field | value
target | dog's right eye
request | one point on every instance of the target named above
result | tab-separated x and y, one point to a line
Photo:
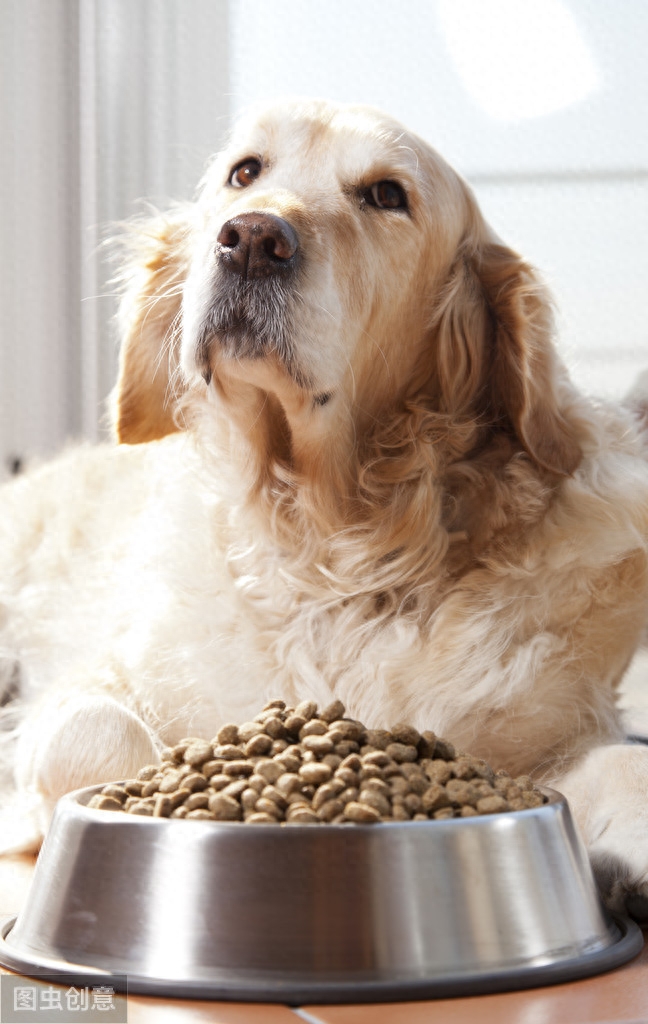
245	173
386	195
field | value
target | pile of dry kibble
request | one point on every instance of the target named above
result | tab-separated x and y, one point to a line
302	766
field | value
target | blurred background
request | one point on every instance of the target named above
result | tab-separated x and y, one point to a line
540	104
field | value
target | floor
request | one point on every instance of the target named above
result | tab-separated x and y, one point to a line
618	997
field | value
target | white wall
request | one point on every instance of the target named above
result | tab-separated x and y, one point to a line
102	102
39	274
540	103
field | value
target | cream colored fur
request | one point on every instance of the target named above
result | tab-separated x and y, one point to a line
398	500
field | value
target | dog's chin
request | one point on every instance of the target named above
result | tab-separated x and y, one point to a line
239	350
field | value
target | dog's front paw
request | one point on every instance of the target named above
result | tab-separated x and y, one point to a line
80	742
608	794
620	863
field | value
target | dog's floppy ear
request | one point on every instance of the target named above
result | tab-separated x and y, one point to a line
524	367
156	251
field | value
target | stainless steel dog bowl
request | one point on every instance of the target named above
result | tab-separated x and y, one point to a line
319	913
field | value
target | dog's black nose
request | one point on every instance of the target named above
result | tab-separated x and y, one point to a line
257	245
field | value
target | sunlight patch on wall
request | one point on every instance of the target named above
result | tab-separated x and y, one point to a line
518	60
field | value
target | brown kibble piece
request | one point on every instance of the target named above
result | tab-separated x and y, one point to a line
327	791
320	745
377	757
300	814
249	799
169	783
400	752
413	802
426	744
235	788
400	812
405	734
276	702
288	783
271	771
257	782
105	803
374	798
194	782
461	792
332	711
438	771
229	752
330	809
532	798
258	745
116	792
346	747
492	804
248	731
227	734
307	709
443	814
179	797
141	807
294	724
378	738
353	762
444	749
290	762
314	773
276	796
274	728
313	727
224	808
435	798
265	806
361	813
197	753
162	807
236	768
219	781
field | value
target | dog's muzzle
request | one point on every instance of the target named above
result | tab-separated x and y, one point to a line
257	245
252	306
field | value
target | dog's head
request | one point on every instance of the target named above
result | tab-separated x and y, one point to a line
334	273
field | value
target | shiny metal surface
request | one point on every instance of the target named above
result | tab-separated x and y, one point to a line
226	907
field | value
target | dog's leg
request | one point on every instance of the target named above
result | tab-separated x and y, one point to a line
64	745
607	791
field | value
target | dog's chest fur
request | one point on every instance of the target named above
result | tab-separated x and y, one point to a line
219	617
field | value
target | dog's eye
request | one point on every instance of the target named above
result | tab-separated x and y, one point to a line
245	173
386	195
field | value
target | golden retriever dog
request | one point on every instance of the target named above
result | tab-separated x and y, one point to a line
351	465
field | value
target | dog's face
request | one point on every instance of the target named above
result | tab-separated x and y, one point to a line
323	236
333	272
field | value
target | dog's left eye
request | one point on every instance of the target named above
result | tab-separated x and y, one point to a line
386	195
245	173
